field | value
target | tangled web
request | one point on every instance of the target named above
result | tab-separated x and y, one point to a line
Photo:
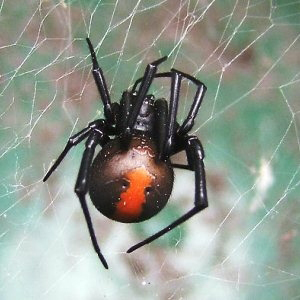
246	243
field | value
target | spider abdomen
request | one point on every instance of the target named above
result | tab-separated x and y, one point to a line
130	185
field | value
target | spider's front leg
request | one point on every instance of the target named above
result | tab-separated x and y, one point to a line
109	108
146	81
195	156
81	187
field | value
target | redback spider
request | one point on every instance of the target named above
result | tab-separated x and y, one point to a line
131	178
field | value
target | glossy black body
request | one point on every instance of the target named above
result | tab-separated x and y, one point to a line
141	124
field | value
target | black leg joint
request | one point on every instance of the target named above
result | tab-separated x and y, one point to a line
194	150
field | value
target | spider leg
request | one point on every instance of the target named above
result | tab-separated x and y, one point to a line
195	156
142	92
166	117
181	166
165	74
171	122
73	141
101	84
81	187
190	119
161	115
170	125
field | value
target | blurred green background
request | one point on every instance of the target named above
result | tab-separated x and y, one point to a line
247	243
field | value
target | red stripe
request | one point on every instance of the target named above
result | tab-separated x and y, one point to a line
129	208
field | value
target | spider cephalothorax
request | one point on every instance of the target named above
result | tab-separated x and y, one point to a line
131	178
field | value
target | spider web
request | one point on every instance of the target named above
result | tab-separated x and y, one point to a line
246	243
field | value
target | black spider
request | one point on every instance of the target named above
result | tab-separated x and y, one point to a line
131	178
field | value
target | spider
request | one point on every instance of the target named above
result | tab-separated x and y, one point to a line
131	178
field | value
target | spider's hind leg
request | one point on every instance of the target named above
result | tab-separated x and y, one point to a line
195	156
